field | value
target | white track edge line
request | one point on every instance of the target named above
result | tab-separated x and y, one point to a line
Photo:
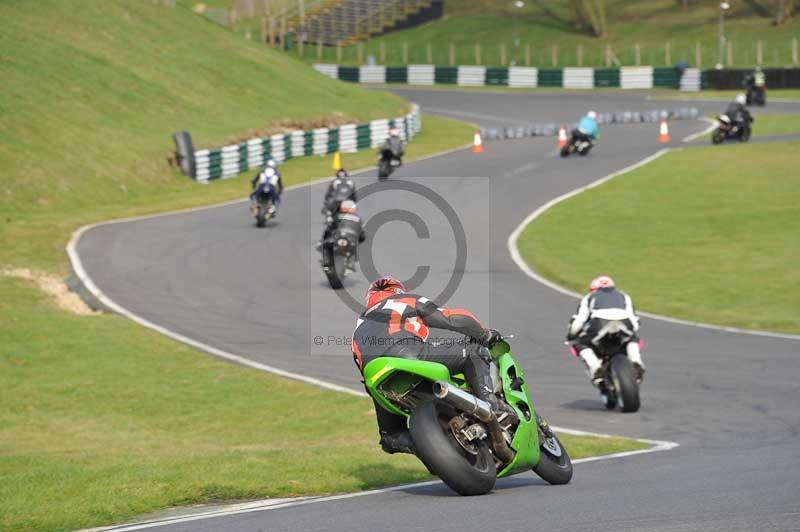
530	272
709	129
269	504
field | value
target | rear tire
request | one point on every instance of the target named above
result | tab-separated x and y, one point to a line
555	466
565	151
335	278
261	217
383	169
624	379
435	446
717	137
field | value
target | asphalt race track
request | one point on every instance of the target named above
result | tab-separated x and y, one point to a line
731	400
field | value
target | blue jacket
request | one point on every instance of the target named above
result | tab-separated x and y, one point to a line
588	126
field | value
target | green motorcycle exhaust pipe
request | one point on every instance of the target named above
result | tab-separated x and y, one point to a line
469	404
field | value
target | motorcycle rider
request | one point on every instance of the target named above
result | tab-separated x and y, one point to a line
604	302
587	129
755	81
268	181
738	113
397	323
340	189
393	143
346	222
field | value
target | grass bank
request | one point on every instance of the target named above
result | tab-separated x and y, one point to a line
702	234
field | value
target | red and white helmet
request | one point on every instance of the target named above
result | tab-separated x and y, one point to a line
602	281
383	287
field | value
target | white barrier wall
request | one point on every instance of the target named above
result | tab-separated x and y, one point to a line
578	78
636	77
372	74
523	76
421	74
471	76
332	71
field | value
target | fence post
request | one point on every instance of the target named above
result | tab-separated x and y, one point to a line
452	54
637	51
503	54
759	52
668	54
383	53
477	53
528	54
794	51
698	56
429	53
730	54
405	53
554	55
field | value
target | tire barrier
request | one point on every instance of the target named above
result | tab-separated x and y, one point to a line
641	77
228	161
617	117
475	76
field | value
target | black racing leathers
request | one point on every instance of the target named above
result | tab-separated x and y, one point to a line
399	326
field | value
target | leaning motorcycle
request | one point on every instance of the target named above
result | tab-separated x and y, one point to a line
619	387
389	160
731	129
456	434
262	207
578	145
339	253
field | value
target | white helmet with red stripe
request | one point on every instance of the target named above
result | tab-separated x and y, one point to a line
602	281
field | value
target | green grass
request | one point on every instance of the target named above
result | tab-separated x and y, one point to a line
704	234
651	24
103	420
776	125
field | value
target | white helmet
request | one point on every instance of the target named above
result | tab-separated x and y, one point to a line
271	163
741	98
592	115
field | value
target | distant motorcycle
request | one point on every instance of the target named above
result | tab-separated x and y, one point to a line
339	255
756	96
390	157
731	129
619	387
262	207
579	144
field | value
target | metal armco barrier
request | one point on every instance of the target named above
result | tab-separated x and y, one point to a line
229	161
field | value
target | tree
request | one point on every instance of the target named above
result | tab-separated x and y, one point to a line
589	16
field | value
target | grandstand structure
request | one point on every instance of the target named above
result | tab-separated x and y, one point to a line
343	22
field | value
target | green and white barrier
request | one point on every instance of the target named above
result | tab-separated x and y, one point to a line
645	77
229	161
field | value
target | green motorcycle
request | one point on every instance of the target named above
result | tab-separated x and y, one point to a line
456	434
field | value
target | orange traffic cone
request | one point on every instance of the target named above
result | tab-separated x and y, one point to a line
663	132
562	136
477	143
